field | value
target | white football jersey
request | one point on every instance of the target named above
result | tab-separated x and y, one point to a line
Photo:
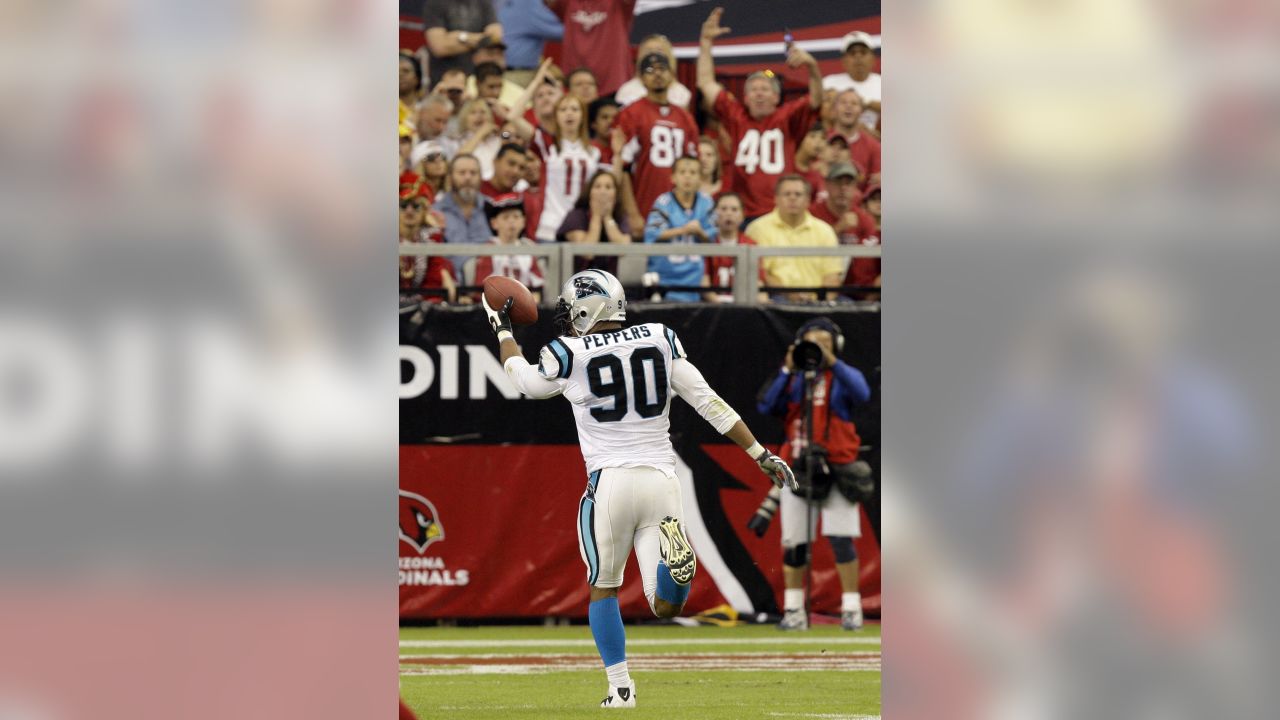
619	382
565	171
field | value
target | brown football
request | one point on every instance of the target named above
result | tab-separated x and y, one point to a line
497	288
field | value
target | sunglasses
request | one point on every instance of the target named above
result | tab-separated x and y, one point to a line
433	157
410	204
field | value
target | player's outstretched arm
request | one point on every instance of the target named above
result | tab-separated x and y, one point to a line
689	384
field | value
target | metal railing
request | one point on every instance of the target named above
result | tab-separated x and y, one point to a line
560	257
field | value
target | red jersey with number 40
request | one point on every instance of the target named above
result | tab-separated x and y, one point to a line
656	136
764	150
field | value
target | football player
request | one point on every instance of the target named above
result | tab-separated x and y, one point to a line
620	381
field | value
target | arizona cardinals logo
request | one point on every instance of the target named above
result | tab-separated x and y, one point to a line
588	20
419	523
586	287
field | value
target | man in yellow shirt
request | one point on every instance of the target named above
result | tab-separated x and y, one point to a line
791	225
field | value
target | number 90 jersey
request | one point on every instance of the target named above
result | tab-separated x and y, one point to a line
620	384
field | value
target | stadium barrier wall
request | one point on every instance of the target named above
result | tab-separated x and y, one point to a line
490	482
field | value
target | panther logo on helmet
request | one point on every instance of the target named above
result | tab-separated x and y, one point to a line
586	287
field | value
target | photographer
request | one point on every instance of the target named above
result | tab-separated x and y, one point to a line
816	392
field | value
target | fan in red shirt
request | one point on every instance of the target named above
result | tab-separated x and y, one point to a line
423	271
864	150
719	270
654	134
842	210
764	133
596	36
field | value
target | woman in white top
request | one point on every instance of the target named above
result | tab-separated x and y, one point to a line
568	159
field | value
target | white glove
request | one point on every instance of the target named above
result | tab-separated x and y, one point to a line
499	320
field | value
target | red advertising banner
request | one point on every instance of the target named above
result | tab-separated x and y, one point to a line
489	531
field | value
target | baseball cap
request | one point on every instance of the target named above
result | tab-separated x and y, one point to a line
423	149
654	59
837	135
854	38
842	169
502	203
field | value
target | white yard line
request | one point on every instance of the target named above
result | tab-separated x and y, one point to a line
828	716
414	665
642	642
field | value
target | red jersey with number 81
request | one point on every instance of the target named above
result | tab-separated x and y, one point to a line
656	136
764	150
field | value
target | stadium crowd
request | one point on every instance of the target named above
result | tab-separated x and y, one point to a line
500	145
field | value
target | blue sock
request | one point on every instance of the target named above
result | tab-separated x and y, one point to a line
606	627
668	589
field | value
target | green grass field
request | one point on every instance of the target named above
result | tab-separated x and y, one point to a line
706	673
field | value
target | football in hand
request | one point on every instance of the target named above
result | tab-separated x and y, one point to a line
497	288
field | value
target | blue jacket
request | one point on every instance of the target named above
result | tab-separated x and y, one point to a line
680	269
848	389
833	420
526	25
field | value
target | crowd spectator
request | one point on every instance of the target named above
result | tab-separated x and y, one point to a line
710	167
681	216
791	225
838	151
858	61
636	89
433	118
582	82
600	115
488	82
764	133
811	161
508	174
527	26
453	85
654	134
507	219
597	217
597	35
476	135
411	90
545	96
496	55
422	271
534	197
568	159
863	276
864	149
841	206
406	153
463	206
720	269
454	29
432	168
